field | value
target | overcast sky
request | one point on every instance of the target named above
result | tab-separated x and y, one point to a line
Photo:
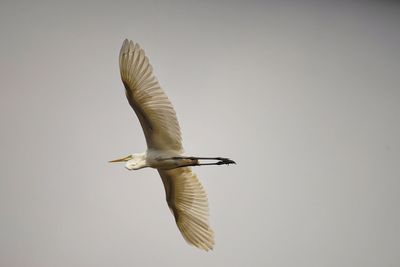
304	95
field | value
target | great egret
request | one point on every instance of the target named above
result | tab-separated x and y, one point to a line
185	195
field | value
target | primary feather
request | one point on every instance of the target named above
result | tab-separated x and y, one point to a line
151	105
188	202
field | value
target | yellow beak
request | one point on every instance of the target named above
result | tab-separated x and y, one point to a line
122	159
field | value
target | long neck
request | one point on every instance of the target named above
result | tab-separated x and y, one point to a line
137	162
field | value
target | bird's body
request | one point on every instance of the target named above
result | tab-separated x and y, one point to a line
157	159
185	195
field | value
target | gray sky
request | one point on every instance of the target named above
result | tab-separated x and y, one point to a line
304	95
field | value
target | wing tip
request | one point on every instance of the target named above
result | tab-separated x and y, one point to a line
200	238
129	46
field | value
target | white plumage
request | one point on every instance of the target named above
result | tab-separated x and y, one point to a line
185	195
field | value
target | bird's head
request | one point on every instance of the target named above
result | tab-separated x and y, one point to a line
133	162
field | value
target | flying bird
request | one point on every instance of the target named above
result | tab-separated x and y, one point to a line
185	195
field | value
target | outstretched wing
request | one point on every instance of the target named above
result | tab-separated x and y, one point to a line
188	202
151	105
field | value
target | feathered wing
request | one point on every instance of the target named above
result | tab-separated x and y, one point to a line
151	105
188	202
185	195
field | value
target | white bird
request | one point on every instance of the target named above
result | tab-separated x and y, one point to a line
185	195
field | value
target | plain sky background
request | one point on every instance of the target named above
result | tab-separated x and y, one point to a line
304	95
